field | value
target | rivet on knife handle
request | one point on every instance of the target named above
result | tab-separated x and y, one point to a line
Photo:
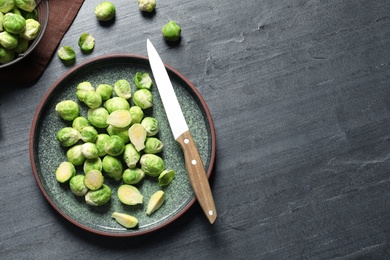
197	175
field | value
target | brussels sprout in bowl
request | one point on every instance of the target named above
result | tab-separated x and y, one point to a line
40	14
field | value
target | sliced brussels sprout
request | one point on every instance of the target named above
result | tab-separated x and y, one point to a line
133	176
65	172
171	31
137	114
68	110
166	177
114	145
129	195
77	186
82	89
112	167
122	89
143	80
125	220
75	156
93	164
66	53
119	118
105	91
98	117
98	197
79	123
94	180
131	156
100	143
105	11
89	134
89	150
143	98
151	125
152	164
153	145
68	136
116	103
137	135
86	42
155	202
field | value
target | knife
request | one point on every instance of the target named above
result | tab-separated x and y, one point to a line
181	133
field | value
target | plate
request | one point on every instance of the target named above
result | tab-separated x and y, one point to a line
46	153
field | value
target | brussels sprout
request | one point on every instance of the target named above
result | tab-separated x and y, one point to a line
122	89
66	53
136	114
98	117
94	180
166	177
68	110
125	220
105	11
171	31
98	197
75	156
116	103
121	132
31	30
68	136
77	186
143	80
152	164
137	136
14	23
143	98
129	195
6	5
65	172
151	125
82	89
131	156
26	5
92	99
79	123
22	45
104	90
153	145
155	202
89	150
147	5
93	164
112	167
100	142
119	118
133	176
89	134
114	146
6	55
8	40
86	42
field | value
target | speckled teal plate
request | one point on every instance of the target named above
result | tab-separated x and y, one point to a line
46	153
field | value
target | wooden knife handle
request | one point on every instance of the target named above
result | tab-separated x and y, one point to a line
197	175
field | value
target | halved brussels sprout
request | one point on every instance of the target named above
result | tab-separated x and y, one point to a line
133	176
68	136
119	118
155	202
66	53
143	80
122	89
86	42
116	103
137	135
68	110
94	180
152	164
65	172
131	156
151	125
143	98
98	197
166	177
98	117
77	186
129	195
153	145
112	167
125	220
114	146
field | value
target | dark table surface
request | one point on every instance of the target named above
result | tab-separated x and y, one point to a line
299	92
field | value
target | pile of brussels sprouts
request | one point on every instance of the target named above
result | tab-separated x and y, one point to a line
115	140
18	26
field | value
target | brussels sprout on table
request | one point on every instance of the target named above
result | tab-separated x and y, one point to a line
153	145
147	5
93	164
100	143
82	89
98	117
104	90
116	103
89	134
166	177
89	150
79	123
151	125
86	42
75	156
114	145
105	11
171	31
136	114
66	53
92	99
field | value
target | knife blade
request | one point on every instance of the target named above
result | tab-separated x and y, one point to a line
181	133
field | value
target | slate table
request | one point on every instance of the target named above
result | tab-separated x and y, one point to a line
299	92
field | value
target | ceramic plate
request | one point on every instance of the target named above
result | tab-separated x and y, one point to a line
46	153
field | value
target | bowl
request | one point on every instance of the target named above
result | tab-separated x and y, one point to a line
43	18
